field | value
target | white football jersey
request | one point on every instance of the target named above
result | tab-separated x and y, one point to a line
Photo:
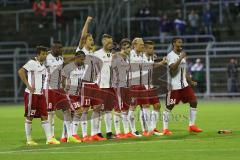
148	72
54	66
78	49
36	73
74	76
178	80
121	71
105	74
137	70
92	65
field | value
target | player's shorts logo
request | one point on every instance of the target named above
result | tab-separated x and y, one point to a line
172	101
33	112
50	106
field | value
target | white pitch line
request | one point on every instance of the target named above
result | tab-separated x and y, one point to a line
159	151
110	144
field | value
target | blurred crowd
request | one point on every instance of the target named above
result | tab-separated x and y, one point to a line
197	21
40	9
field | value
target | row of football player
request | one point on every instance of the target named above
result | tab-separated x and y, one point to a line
34	98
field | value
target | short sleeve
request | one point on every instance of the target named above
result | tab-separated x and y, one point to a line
66	70
29	66
170	59
114	61
78	49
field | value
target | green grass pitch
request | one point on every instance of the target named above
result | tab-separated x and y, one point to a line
212	116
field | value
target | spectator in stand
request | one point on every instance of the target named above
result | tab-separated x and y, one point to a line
232	71
193	20
143	13
165	27
235	10
56	7
198	75
179	24
39	7
208	18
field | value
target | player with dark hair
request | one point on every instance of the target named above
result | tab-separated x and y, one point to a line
90	85
72	78
121	78
105	77
34	100
180	89
154	99
53	89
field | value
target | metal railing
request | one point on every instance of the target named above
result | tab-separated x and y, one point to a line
10	45
219	3
6	2
18	13
215	70
184	37
191	45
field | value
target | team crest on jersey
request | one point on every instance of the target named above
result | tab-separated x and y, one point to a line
50	106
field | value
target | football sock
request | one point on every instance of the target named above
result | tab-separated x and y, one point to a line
117	119
94	122
46	128
67	121
84	123
147	115
154	119
28	129
108	121
165	117
125	122
192	116
75	124
51	121
131	119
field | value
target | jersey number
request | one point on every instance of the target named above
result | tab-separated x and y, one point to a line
172	101
76	105
87	102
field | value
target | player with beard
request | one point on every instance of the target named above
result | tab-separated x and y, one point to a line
72	76
180	89
54	92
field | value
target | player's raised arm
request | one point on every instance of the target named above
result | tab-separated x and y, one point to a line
23	76
84	32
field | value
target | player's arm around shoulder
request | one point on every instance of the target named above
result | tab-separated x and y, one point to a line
65	72
161	63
